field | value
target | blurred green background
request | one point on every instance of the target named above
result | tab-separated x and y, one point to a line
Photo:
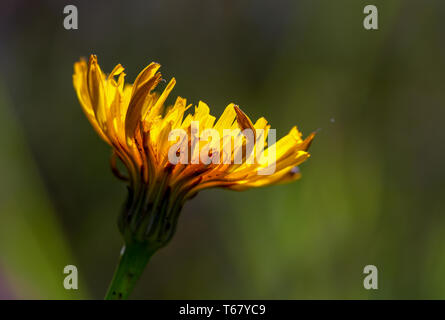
372	192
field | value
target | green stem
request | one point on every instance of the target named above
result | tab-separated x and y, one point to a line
131	265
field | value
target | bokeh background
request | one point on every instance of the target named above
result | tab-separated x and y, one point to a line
372	192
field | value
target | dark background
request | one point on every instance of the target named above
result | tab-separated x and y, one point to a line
372	192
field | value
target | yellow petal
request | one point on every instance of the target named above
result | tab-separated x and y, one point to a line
133	116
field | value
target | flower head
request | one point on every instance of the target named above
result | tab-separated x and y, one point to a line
166	158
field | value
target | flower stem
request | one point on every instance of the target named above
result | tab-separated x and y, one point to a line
131	265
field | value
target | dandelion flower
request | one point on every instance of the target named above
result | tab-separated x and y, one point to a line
168	161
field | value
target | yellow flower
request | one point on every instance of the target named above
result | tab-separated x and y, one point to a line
134	121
